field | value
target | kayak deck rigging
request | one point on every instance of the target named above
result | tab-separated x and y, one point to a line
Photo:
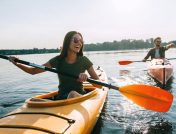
69	121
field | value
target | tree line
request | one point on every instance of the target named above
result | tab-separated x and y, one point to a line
127	44
27	51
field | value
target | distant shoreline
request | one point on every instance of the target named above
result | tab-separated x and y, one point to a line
106	46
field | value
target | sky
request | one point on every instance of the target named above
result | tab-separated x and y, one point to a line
28	24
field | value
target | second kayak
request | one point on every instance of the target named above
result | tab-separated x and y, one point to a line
161	70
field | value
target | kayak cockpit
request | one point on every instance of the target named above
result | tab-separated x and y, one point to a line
45	100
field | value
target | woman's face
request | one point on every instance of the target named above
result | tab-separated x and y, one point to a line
76	43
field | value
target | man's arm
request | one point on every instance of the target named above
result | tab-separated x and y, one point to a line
147	56
171	45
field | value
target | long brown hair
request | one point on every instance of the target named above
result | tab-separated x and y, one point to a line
66	44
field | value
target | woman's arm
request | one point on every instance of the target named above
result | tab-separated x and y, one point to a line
92	73
83	76
30	70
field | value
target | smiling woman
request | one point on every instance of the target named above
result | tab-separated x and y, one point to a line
70	60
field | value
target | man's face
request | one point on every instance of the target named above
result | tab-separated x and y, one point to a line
157	43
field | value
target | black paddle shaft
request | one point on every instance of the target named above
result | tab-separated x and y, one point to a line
55	71
150	60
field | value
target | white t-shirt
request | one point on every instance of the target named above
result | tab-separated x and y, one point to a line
157	55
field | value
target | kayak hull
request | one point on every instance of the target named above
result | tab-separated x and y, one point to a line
161	70
70	116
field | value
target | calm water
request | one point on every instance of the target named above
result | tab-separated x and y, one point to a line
119	116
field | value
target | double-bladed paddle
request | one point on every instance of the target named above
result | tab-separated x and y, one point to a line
149	97
126	62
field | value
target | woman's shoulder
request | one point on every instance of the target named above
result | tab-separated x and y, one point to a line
55	60
83	57
85	62
57	57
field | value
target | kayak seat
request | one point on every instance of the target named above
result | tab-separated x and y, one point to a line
89	87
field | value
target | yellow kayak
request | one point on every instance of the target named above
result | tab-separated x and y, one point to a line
71	116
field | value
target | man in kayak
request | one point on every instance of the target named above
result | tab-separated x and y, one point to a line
158	51
71	61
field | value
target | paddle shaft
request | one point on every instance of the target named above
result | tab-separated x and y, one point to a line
171	58
126	62
55	71
140	61
150	60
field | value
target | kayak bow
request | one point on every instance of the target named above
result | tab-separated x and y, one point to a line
161	70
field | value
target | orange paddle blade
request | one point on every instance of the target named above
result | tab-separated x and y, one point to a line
149	97
125	62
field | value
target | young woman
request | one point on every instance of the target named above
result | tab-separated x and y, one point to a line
158	51
70	60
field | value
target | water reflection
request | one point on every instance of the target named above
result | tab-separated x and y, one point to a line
168	85
128	118
161	127
154	124
124	72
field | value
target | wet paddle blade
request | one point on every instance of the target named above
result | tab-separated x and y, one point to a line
149	97
126	62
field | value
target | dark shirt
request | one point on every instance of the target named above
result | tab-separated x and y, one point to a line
151	52
67	84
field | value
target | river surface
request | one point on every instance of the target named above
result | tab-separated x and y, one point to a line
119	115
